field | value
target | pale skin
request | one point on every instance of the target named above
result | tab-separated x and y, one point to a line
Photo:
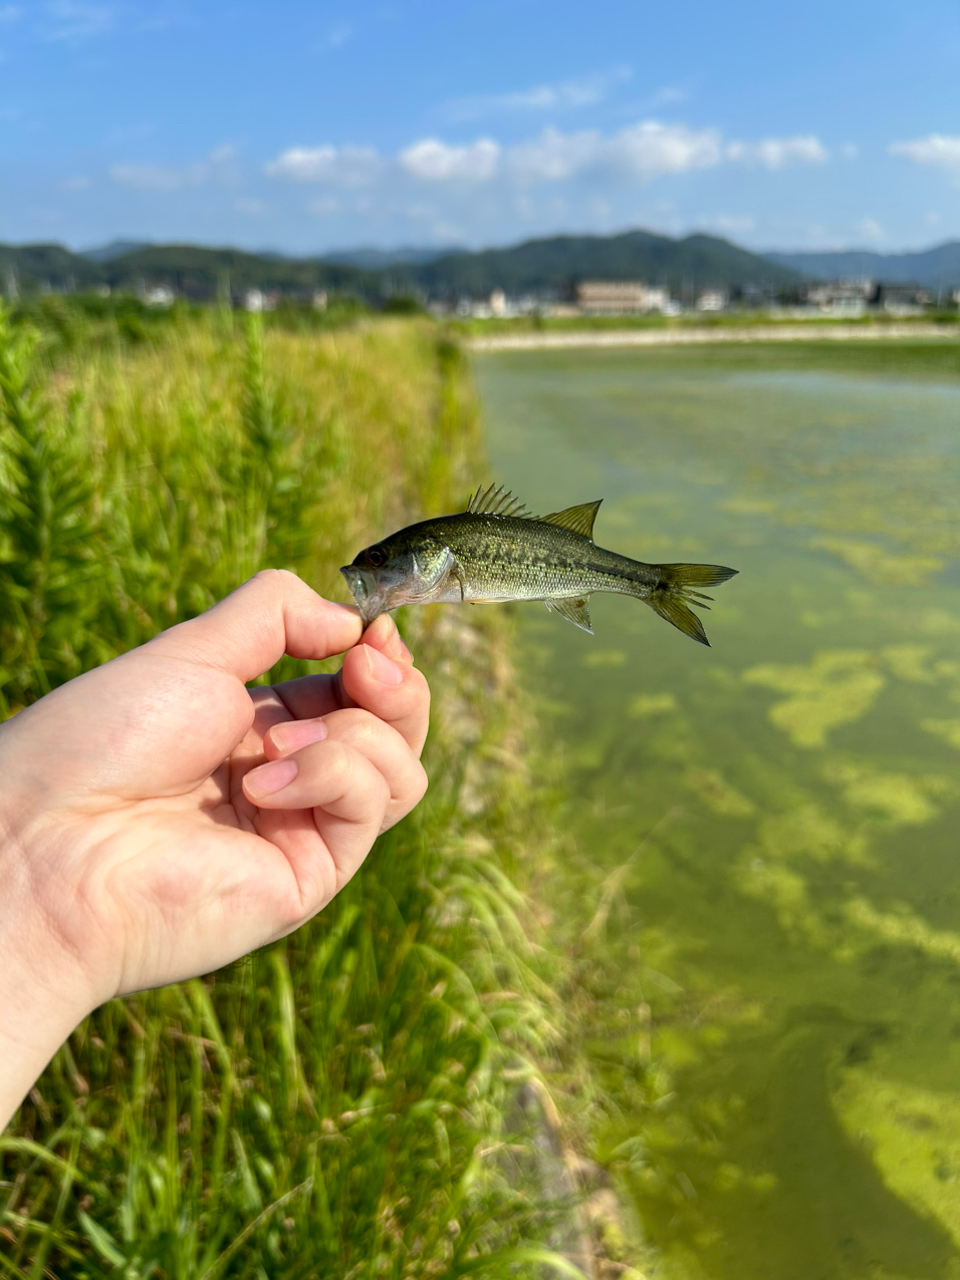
158	819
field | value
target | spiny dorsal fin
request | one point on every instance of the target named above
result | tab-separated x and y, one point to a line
580	519
575	610
497	501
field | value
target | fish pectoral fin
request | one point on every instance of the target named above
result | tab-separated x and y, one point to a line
575	610
580	519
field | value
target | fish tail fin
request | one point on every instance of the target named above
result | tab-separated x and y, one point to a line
676	591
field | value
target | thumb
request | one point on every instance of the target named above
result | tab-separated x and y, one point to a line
272	614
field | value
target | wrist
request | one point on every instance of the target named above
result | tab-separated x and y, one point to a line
41	1002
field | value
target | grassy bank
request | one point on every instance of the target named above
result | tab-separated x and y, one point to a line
502	326
335	1104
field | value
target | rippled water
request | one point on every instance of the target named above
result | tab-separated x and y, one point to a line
766	877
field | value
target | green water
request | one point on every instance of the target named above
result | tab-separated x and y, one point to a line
762	886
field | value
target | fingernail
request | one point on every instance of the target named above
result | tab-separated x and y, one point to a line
294	734
381	667
267	779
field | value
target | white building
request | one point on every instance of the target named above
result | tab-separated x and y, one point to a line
711	300
158	295
620	297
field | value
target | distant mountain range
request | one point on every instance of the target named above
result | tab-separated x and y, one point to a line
936	268
377	259
537	266
115	249
695	262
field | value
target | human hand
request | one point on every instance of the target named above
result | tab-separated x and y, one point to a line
158	819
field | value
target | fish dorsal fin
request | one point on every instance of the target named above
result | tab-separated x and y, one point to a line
497	501
576	611
580	519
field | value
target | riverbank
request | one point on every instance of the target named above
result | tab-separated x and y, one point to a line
548	340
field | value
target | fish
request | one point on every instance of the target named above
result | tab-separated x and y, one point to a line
496	551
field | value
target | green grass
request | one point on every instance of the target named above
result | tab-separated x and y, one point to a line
924	357
341	1103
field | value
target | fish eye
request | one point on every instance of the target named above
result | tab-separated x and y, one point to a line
376	556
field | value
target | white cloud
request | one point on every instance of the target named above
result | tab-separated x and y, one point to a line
337	166
152	177
218	166
941	149
75	20
324	207
774	153
871	230
77	183
641	152
564	95
431	160
730	224
645	150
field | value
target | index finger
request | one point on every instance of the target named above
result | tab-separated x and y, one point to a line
394	691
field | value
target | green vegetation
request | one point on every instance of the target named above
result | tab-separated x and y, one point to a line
345	1102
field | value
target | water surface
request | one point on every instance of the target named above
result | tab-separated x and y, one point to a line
764	890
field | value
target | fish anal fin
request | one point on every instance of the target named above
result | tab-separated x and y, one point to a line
574	610
580	519
497	501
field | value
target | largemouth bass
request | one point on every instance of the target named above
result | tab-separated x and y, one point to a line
496	551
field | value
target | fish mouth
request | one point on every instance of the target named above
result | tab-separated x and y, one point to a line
363	588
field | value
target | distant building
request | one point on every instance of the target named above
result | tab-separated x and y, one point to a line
320	300
902	299
712	300
158	295
257	300
619	297
498	303
847	298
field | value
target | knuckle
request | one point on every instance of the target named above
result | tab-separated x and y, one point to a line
354	724
336	762
278	581
420	783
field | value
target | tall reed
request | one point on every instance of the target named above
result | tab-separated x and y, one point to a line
333	1105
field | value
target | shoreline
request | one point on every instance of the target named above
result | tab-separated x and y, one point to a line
692	337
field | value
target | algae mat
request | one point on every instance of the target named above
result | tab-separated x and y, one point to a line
763	894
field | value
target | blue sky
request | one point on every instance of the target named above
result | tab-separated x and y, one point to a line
304	127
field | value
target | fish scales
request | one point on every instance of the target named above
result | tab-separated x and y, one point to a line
496	551
505	558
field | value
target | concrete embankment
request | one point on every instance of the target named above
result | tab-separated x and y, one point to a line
546	340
